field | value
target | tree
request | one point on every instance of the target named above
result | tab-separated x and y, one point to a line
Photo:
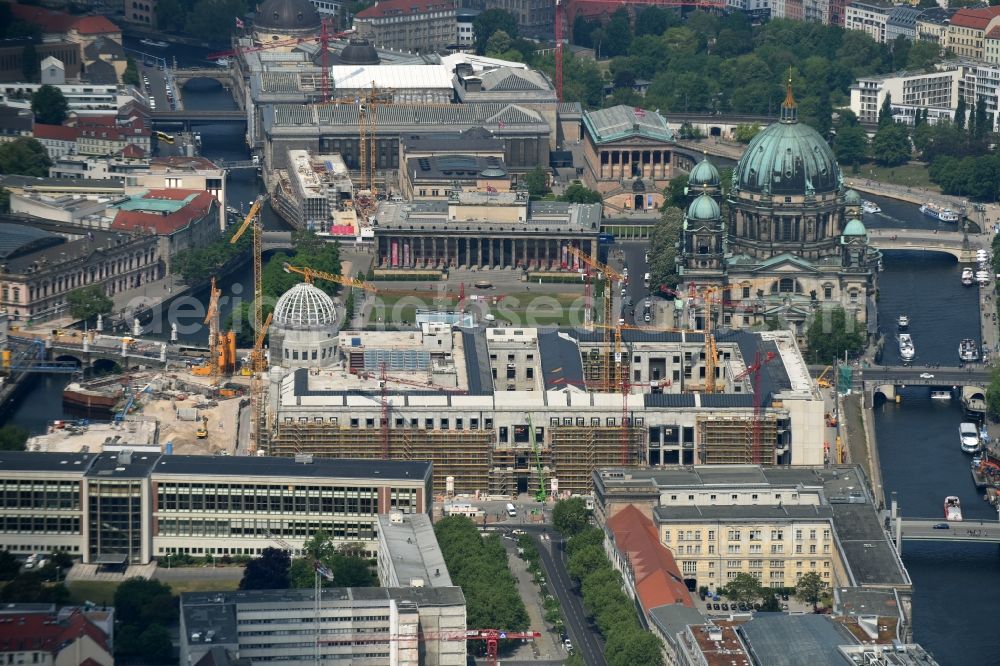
346	564
851	145
810	589
154	645
744	589
663	249
982	125
267	572
993	392
490	22
626	648
24	156
770	604
9	565
745	132
653	20
831	333
675	192
30	588
570	516
885	112
617	34
13	438
891	145
960	112
537	181
140	602
131	75
579	193
49	105
86	303
499	42
923	55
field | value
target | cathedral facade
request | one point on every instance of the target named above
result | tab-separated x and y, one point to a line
784	242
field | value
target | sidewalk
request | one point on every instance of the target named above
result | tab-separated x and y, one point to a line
545	647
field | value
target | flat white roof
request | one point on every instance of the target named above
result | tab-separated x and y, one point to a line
399	77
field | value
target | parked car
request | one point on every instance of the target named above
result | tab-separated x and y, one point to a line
942	526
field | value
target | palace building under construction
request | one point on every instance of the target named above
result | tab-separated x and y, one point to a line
516	409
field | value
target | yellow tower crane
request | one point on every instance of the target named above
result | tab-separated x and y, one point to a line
309	273
257	354
610	275
212	319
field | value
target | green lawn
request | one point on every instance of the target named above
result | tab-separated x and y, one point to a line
100	592
907	175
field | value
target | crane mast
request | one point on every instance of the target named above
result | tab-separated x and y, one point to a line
257	362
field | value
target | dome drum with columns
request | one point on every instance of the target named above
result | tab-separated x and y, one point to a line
277	20
304	328
791	233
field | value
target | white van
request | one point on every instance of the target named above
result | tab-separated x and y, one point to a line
645	280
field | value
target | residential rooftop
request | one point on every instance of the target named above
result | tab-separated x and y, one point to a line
413	549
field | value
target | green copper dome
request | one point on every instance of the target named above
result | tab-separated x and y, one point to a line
704	174
788	158
852	198
704	208
855	228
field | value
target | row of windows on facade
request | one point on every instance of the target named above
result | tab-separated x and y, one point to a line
81	278
262	529
311	620
293	354
504	432
753	549
737	535
263	504
691	568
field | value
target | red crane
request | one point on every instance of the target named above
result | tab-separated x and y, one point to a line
561	18
753	431
324	38
491	637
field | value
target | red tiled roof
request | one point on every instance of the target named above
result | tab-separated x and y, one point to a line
658	580
37	631
400	7
50	21
56	132
198	207
95	25
994	33
132	150
977	19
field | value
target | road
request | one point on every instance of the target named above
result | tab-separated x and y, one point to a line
157	88
585	639
940	376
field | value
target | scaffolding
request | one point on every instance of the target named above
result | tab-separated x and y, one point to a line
465	455
577	451
515	470
724	440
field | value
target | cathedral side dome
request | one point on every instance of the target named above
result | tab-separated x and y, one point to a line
852	198
788	158
855	228
704	175
704	208
304	306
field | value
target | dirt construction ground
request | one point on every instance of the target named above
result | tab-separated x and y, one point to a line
221	427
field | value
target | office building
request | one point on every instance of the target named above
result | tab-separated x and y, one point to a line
408	552
419	26
408	626
126	507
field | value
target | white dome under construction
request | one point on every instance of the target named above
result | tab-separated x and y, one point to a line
304	306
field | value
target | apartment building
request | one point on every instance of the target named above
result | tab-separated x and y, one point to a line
965	34
933	23
775	524
868	17
935	91
902	22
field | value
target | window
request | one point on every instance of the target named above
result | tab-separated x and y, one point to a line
798	534
666	536
735	535
826	534
733	564
755	535
812	534
173	183
755	548
777	535
734	549
786	286
689	567
711	550
798	549
711	533
827	293
812	549
777	549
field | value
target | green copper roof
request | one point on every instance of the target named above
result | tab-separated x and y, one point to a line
621	122
852	198
855	228
703	208
787	158
704	174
